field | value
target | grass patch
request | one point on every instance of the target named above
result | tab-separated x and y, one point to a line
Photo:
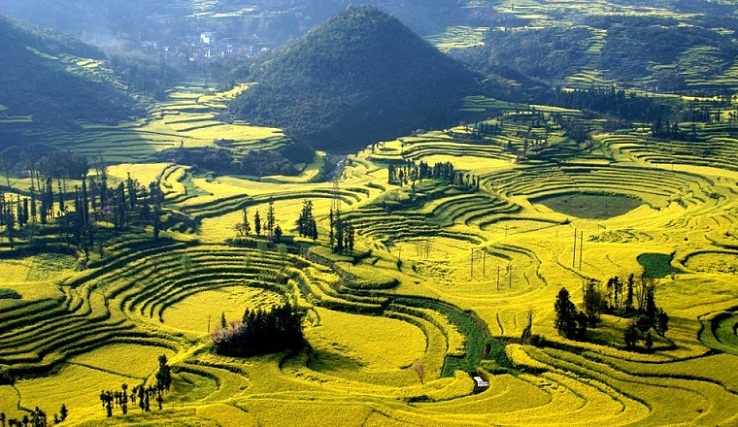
657	265
591	205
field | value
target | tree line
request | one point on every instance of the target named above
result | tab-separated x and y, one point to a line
139	395
268	226
36	418
408	172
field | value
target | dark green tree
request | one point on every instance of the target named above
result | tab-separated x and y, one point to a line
257	224
164	374
662	322
566	315
630	335
594	302
629	293
270	219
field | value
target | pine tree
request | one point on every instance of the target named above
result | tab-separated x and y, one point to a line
593	302
566	315
257	224
629	294
630	335
164	374
270	219
662	323
246	225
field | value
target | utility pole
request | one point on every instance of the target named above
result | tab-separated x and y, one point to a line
509	275
581	248
471	264
484	263
208	323
574	259
498	277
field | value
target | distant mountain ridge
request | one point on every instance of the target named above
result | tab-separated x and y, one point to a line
40	76
360	77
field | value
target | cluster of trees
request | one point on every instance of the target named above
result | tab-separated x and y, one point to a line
342	233
638	304
408	172
616	102
550	54
575	128
633	299
77	215
140	393
37	418
306	224
268	226
229	161
261	332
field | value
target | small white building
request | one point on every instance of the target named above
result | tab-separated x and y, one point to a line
207	38
480	384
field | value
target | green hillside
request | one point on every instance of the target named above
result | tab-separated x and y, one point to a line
673	46
361	77
54	81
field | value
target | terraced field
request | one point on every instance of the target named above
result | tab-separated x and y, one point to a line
443	281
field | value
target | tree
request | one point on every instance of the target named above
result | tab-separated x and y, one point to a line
630	335
649	341
644	287
643	323
566	315
650	309
63	412
594	302
270	219
662	322
277	233
306	225
257	224
246	227
164	374
629	294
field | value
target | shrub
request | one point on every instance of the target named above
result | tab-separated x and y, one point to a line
9	294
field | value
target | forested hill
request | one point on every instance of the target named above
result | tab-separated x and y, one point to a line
361	77
55	80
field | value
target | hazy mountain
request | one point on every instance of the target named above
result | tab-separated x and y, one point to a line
361	77
271	21
56	79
